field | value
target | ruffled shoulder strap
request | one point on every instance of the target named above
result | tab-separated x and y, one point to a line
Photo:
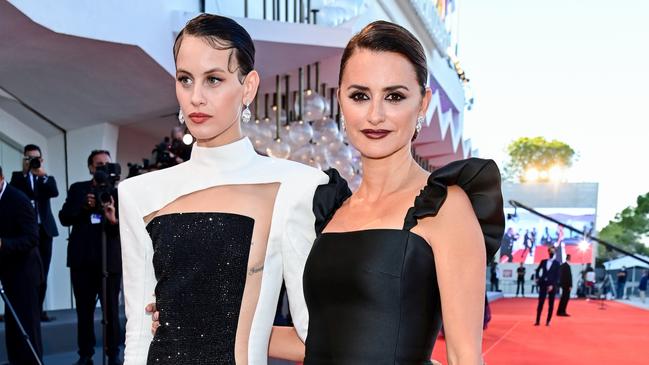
328	198
480	179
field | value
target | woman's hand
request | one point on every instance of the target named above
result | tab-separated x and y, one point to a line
151	308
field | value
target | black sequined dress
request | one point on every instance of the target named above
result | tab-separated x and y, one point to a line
200	262
372	295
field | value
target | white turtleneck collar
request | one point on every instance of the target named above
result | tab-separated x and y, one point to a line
228	157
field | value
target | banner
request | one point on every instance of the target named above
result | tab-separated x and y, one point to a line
528	236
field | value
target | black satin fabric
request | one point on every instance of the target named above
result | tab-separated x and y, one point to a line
372	295
372	298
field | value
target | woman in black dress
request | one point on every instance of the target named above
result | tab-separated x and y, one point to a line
409	248
221	231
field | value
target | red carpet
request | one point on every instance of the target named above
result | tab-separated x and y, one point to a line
618	334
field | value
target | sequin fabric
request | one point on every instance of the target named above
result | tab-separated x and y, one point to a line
200	262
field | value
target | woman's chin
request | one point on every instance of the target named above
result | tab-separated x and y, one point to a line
377	151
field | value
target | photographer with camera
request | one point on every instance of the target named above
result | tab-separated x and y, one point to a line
91	209
39	187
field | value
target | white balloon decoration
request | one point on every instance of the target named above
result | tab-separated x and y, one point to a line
278	148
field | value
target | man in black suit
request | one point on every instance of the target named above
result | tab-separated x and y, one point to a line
565	281
86	215
39	188
548	277
20	273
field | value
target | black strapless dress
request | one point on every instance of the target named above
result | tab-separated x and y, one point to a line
200	262
372	295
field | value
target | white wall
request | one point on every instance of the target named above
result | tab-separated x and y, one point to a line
82	141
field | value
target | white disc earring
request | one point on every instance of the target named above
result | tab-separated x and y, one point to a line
181	117
246	114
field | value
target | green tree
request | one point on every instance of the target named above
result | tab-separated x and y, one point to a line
627	230
537	153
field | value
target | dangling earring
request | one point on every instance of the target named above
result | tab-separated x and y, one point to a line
420	123
342	123
181	117
246	115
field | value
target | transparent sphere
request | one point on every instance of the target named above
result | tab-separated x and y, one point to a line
272	115
317	165
301	133
320	155
326	130
356	157
314	106
327	109
338	155
345	169
303	154
278	148
355	182
270	127
260	134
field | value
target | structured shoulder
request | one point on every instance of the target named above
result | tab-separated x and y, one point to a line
328	198
480	181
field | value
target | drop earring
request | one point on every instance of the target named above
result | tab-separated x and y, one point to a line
420	123
181	117
246	114
342	123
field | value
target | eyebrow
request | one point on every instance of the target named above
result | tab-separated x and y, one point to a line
386	89
216	69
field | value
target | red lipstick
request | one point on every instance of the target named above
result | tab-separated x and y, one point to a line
199	118
375	133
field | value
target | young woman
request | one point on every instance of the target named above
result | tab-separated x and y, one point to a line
409	247
218	232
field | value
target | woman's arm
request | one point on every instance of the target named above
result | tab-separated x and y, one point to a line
285	344
139	279
460	258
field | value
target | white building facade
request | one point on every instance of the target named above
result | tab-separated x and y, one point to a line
82	75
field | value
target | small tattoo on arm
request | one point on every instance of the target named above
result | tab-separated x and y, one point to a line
256	269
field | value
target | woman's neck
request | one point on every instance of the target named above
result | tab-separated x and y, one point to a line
388	175
228	136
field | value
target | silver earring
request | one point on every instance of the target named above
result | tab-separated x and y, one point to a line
181	117
246	115
420	123
342	123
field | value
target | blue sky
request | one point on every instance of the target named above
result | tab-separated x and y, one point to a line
573	70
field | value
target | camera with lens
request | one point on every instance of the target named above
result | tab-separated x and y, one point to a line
34	163
105	177
162	154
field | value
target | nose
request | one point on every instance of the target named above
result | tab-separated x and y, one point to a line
197	96
376	114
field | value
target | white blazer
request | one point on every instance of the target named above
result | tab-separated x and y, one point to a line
291	235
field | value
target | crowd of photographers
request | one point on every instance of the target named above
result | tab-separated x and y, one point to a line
27	228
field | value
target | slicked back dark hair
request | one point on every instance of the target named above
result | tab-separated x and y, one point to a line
222	33
382	36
